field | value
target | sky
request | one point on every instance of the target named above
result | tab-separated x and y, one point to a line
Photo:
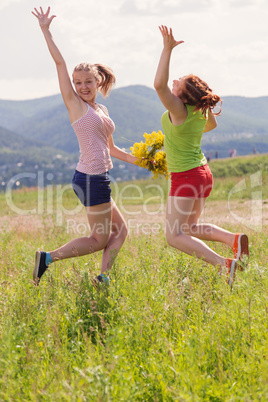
225	43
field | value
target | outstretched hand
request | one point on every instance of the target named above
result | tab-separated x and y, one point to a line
168	38
43	18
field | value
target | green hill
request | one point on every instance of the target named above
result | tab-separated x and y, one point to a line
33	133
25	160
13	113
242	125
239	166
135	110
34	163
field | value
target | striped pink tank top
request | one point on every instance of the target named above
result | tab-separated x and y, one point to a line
93	131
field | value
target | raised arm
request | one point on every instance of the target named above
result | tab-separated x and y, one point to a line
171	102
68	94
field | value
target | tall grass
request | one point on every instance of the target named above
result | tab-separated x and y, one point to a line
167	329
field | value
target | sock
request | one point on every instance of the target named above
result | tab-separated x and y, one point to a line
48	259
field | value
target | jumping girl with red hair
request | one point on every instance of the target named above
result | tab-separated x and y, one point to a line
189	114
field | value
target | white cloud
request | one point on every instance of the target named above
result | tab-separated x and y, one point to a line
245	4
225	42
165	7
253	52
6	3
28	88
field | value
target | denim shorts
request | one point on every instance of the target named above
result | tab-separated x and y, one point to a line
92	189
194	183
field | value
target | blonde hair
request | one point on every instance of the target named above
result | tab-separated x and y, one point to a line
102	73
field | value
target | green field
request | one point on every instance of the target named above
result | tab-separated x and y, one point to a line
167	329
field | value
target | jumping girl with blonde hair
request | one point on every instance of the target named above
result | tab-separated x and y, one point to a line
189	114
91	183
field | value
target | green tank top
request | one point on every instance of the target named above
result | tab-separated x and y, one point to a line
183	143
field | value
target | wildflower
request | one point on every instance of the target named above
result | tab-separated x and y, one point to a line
150	154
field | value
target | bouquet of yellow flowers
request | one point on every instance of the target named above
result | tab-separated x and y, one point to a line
150	154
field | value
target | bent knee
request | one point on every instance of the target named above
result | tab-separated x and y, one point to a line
121	232
192	229
100	241
171	239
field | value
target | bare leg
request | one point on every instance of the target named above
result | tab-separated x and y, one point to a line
179	214
207	231
116	239
99	218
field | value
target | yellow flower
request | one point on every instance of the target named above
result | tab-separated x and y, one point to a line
150	154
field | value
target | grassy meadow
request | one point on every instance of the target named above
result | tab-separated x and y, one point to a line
168	328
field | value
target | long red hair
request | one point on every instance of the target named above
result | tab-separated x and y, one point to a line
196	92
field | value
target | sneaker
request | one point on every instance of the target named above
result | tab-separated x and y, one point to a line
40	266
103	278
231	266
240	250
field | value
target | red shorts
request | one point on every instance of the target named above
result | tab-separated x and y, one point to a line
194	183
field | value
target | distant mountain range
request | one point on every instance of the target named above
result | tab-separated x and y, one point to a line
39	129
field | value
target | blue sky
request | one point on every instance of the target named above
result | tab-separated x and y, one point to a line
226	43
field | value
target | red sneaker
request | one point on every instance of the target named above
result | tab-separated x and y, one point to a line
231	267
240	250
